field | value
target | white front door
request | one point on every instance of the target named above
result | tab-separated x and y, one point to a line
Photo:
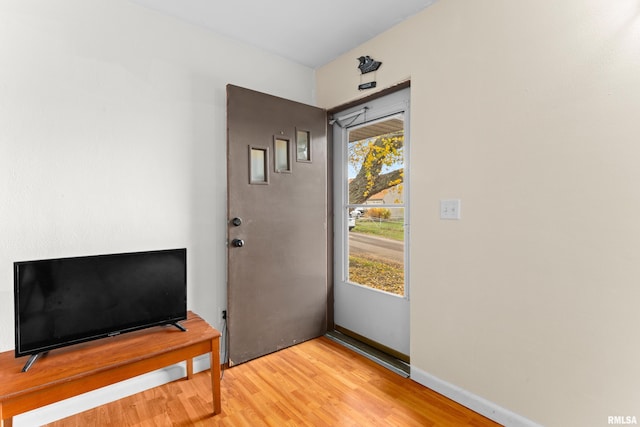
371	221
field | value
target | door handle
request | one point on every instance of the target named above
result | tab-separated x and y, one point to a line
238	243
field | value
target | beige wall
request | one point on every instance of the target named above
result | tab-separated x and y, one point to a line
529	112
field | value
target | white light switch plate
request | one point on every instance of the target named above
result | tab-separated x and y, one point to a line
450	209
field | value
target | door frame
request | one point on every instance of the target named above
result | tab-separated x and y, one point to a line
330	204
332	143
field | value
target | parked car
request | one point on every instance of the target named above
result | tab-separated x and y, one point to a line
352	222
356	213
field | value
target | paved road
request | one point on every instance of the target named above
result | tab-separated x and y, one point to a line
377	246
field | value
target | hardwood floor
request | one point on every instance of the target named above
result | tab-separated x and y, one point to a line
316	383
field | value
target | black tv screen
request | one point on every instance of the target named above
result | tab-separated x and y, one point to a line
65	301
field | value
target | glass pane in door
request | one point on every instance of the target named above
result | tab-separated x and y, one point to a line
376	251
282	156
258	165
375	209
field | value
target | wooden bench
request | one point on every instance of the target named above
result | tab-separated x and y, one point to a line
70	371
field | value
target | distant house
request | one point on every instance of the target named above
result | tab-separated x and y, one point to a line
390	196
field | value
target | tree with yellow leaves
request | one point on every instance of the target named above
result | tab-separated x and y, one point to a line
380	160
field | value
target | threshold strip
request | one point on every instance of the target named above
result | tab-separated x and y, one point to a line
395	365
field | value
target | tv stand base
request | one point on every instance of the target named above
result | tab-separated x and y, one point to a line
70	371
179	326
32	360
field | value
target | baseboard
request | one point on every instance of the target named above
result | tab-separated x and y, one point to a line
101	396
475	403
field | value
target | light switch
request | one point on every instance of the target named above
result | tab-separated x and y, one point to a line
450	209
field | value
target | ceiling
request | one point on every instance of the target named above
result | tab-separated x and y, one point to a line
311	33
376	129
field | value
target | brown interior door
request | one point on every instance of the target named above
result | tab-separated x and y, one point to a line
277	228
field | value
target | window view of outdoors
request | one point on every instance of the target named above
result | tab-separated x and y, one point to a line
376	205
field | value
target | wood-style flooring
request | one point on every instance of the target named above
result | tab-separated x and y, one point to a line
316	383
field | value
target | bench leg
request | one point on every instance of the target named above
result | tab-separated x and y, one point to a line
215	375
189	369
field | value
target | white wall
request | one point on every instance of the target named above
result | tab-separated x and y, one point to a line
113	137
527	112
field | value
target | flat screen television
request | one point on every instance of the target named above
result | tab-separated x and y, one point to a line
65	301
